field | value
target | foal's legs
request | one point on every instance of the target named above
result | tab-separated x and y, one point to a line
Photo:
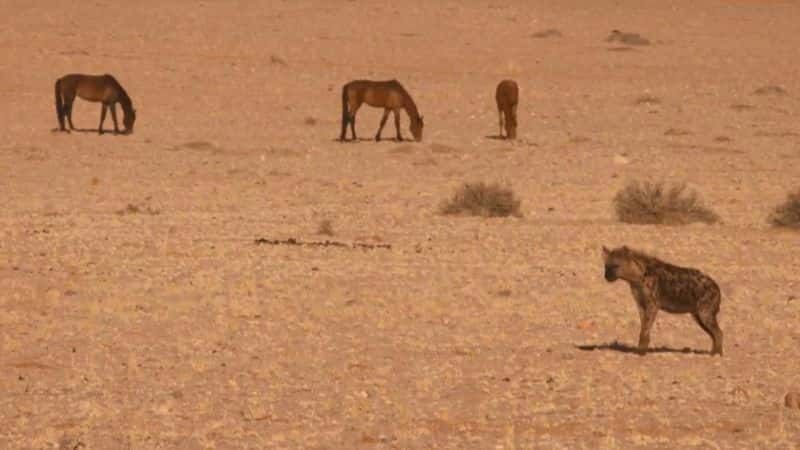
102	118
500	115
113	108
383	122
397	124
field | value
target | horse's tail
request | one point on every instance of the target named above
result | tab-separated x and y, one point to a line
345	113
59	105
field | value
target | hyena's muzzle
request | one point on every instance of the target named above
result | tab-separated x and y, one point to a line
611	272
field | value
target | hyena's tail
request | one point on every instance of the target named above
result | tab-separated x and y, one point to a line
59	105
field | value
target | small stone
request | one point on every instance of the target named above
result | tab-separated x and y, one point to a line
621	160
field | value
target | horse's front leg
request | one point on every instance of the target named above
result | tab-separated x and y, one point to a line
383	122
102	119
397	125
113	108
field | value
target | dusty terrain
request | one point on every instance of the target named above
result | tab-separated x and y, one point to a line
136	311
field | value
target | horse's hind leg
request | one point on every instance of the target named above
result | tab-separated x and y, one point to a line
68	102
353	111
383	122
345	121
102	119
500	115
113	108
397	125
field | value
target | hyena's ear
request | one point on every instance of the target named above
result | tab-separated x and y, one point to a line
606	252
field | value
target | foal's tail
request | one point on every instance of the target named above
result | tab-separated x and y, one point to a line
59	105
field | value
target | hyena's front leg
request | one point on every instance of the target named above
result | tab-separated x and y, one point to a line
647	314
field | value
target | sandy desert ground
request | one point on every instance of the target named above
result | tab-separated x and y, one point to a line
136	311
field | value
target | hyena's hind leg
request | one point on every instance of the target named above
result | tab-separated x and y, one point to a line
706	317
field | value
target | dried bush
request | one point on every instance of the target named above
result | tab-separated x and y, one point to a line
627	38
647	99
655	203
481	199
787	214
325	228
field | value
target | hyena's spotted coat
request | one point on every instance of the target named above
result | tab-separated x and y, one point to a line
656	285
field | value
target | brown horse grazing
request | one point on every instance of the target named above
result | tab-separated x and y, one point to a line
94	88
507	96
389	95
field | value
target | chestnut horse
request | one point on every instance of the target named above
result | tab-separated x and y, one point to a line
389	95
507	96
94	88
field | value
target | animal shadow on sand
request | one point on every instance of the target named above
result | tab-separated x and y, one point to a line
90	130
625	348
370	139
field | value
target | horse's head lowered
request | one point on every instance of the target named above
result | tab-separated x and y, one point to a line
416	128
128	120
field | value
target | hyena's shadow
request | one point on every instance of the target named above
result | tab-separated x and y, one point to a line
625	348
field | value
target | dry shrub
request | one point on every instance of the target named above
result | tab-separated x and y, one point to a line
770	90
481	199
655	203
277	60
627	38
648	99
325	227
787	214
550	32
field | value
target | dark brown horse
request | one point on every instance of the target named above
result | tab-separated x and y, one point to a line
94	88
389	95
507	96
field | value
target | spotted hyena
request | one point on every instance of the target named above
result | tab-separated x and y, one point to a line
656	285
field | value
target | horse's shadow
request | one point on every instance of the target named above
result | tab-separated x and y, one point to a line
496	137
372	139
625	348
90	130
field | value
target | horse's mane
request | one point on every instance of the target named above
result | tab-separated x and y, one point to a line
411	107
125	100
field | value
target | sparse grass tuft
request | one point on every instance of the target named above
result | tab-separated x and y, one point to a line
770	90
325	228
654	203
481	199
277	60
648	99
550	32
137	209
627	38
787	214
